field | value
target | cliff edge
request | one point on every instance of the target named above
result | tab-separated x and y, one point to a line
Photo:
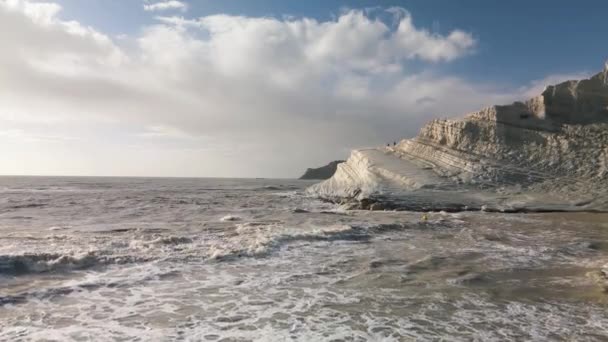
549	153
323	172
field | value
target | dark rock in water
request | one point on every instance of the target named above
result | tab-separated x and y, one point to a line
323	172
376	206
350	205
599	245
365	204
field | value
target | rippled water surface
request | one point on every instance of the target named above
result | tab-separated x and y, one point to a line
112	259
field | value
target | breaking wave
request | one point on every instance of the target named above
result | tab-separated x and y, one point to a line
260	240
48	262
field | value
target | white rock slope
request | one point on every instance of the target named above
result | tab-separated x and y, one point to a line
549	153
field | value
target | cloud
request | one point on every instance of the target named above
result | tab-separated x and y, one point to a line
431	47
164	132
224	95
166	5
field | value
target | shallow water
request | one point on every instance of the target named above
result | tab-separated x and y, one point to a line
132	259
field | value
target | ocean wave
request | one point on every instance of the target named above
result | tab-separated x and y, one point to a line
277	187
21	264
160	241
255	239
270	187
90	283
259	240
58	228
171	240
229	218
26	206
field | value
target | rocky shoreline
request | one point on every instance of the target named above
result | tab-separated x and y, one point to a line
547	154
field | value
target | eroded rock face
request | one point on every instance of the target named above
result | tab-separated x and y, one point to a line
578	102
323	172
548	153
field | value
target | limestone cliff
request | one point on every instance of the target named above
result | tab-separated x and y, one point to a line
323	172
547	153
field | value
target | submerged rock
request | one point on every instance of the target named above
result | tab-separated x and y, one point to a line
376	206
549	153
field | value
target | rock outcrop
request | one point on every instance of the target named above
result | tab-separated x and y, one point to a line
549	153
323	172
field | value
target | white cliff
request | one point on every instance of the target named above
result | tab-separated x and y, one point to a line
548	153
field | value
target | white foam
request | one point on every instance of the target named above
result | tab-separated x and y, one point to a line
58	228
255	239
228	218
303	276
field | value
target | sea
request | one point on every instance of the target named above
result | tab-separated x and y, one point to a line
175	259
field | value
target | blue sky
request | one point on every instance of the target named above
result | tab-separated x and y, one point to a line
264	88
519	40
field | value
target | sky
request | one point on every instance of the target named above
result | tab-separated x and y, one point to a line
266	88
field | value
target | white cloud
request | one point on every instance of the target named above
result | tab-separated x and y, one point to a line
166	5
40	12
21	136
432	47
160	131
276	95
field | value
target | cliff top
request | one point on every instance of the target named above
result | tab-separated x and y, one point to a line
570	102
323	172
